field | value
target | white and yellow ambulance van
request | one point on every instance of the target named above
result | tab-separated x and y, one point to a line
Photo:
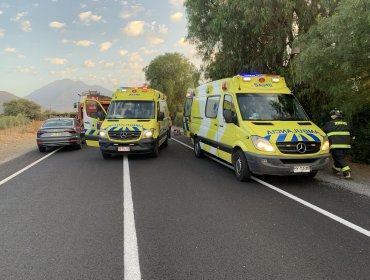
255	123
137	122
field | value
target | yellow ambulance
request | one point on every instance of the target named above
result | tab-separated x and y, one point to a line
255	123
137	122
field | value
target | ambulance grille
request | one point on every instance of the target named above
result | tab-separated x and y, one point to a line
124	135
308	147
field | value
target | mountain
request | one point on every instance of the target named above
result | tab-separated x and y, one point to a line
60	95
5	97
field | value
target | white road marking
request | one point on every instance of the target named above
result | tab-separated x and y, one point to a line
297	199
130	250
27	167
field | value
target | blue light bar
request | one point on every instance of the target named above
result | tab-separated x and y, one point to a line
250	75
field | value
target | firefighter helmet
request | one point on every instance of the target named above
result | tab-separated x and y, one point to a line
335	112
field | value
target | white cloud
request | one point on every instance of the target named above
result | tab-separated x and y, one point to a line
156	41
88	17
2	33
26	26
1	12
176	17
19	16
105	46
182	43
177	3
123	52
65	72
105	64
57	24
148	52
163	29
56	60
36	4
84	43
131	11
64	41
27	70
10	50
88	64
134	28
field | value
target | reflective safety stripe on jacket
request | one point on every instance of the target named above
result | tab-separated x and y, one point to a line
338	132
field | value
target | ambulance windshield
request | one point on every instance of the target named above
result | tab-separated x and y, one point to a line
270	107
123	109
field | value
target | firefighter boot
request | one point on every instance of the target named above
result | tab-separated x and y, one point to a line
347	174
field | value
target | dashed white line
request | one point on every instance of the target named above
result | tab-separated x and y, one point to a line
297	199
27	167
130	249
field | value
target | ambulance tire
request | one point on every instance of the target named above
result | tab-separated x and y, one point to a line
197	148
155	151
105	155
242	172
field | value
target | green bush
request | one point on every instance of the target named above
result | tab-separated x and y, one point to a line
13	121
360	151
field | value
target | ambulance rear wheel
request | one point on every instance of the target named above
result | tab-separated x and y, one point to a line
242	172
197	148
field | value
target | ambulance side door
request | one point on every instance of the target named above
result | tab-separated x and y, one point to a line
187	116
94	114
210	125
228	127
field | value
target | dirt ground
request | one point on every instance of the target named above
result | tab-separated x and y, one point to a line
16	141
19	140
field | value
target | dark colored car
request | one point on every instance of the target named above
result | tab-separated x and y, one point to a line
59	132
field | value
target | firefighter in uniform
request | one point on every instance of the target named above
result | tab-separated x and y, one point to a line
339	133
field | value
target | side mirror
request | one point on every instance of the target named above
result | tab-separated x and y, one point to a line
160	116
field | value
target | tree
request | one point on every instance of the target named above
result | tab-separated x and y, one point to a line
237	35
22	107
335	56
172	74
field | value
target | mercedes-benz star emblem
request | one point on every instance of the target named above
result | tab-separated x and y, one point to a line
301	148
123	135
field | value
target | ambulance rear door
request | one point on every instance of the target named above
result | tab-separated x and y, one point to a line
94	114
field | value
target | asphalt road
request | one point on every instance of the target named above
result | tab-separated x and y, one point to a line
67	217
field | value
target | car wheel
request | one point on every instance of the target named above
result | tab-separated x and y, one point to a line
42	149
155	151
83	138
105	155
198	152
242	172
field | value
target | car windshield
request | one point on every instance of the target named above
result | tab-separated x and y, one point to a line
124	109
58	123
271	107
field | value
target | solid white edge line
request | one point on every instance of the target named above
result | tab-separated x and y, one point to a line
28	167
186	145
299	200
130	249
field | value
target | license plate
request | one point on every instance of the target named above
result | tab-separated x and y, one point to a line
56	134
123	149
301	169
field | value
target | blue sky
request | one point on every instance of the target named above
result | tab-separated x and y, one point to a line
104	42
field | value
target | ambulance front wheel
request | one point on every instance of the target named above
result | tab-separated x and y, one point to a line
241	166
155	151
197	148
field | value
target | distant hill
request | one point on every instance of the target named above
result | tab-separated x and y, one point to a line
5	97
60	95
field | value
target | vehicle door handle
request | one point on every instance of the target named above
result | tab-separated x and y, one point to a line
216	124
221	126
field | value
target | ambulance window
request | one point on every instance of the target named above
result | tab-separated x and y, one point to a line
229	103
212	106
162	106
187	109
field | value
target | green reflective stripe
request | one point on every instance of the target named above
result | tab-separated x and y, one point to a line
340	146
338	133
346	168
339	123
336	168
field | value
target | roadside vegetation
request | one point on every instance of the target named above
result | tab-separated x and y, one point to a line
321	47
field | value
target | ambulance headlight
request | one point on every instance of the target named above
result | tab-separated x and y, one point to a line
103	134
325	144
262	144
148	133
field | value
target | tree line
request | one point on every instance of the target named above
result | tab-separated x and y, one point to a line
321	47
